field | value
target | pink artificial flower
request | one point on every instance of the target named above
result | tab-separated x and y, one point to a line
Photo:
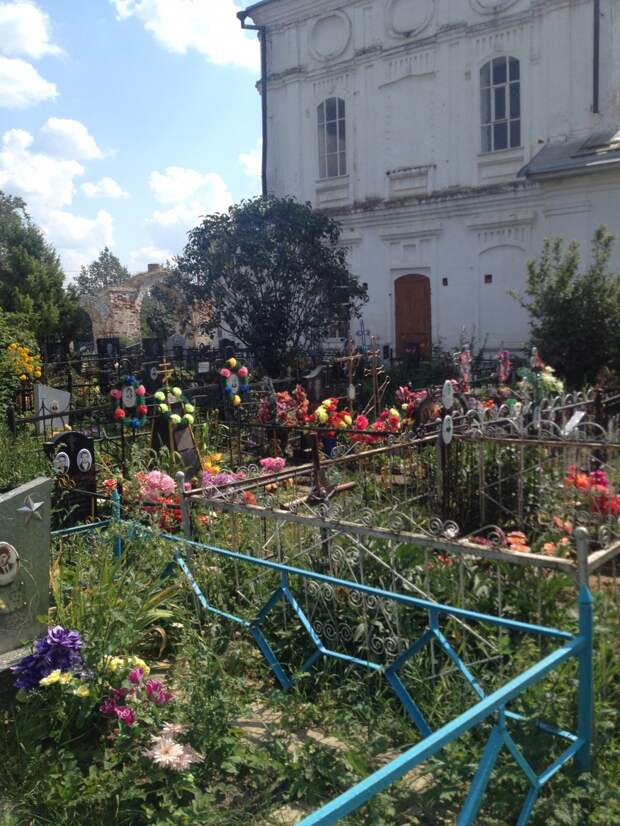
273	464
174	729
167	484
116	394
108	707
157	694
186	758
126	715
153	478
136	675
360	423
165	752
119	694
243	372
225	373
140	390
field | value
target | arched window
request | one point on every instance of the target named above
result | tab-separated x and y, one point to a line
332	135
500	104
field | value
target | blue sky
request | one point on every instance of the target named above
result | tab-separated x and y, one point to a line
123	121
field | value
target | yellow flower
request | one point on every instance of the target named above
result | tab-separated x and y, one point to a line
65	678
394	412
138	662
236	400
232	363
321	415
82	691
52	678
348	421
114	663
23	377
13	346
37	374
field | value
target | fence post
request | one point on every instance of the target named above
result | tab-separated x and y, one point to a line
116	519
585	724
186	519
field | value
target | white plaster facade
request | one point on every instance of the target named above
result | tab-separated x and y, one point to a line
420	196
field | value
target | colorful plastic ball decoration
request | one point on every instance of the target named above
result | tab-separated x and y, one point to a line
232	362
119	414
135	423
159	396
176	391
236	400
228	391
242	372
225	373
142	410
175	418
188	419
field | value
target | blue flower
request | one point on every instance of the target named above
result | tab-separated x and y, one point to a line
58	649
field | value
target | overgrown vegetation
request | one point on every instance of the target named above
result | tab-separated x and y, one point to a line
575	312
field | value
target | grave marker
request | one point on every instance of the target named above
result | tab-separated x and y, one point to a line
73	460
24	562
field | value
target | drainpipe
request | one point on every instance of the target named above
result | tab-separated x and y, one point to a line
596	68
262	36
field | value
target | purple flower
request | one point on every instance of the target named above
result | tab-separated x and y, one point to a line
157	693
119	694
108	707
59	649
136	675
67	639
126	715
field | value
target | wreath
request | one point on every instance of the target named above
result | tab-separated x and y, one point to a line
163	406
129	393
236	380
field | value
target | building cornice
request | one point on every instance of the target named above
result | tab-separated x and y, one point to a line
302	11
441	205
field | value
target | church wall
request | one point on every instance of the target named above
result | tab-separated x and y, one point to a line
419	195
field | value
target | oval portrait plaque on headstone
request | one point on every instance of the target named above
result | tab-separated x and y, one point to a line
61	463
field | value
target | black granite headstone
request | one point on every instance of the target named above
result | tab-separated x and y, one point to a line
73	460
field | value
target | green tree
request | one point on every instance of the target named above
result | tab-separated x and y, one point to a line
31	277
274	275
575	316
159	311
105	271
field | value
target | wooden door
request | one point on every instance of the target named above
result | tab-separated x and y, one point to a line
412	303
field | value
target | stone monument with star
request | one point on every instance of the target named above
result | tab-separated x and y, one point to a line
24	569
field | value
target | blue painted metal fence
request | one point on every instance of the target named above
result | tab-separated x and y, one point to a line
494	705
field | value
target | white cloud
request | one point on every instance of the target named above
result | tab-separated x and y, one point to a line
208	26
188	195
21	85
104	188
140	258
70	230
251	161
48	185
25	30
42	181
67	138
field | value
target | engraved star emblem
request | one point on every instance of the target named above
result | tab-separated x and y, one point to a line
31	509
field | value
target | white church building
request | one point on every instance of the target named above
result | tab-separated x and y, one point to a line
449	137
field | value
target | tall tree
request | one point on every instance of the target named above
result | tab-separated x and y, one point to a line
105	271
31	277
274	275
575	316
